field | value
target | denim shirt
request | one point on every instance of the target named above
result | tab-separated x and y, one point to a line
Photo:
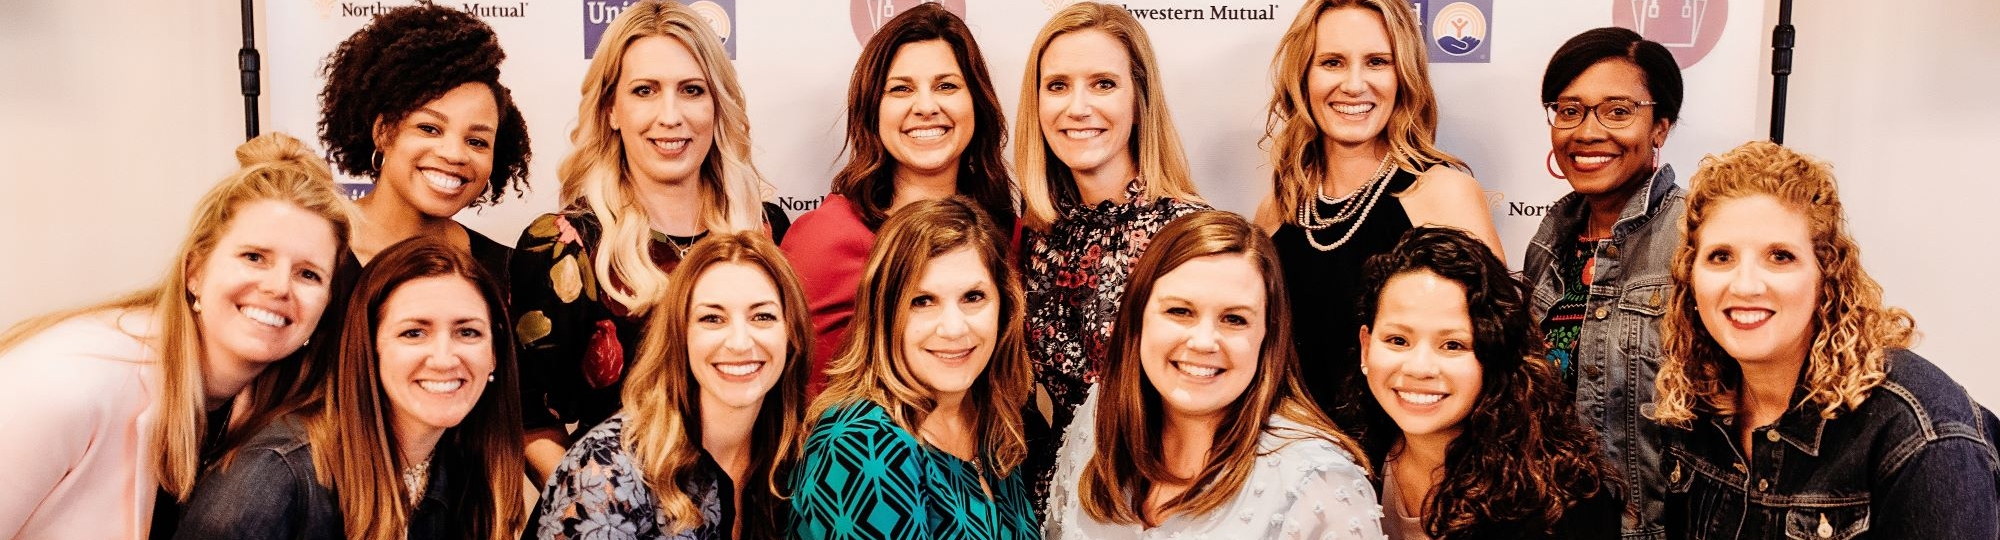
269	491
1618	351
1914	460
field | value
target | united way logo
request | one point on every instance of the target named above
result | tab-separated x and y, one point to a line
868	16
598	14
1688	28
1457	31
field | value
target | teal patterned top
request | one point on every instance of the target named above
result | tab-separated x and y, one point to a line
863	477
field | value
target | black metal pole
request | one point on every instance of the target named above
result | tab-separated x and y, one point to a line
1782	39
247	64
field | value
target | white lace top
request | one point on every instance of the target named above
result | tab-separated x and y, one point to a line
1301	488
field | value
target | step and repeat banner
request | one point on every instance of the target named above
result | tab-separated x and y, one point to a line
795	56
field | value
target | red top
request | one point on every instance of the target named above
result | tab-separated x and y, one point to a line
828	248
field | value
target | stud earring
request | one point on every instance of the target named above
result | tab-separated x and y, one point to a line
194	303
308	341
491	377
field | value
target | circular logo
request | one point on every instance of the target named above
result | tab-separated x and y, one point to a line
869	15
1688	28
717	17
1459	28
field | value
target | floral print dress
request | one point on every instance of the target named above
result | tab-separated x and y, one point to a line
599	492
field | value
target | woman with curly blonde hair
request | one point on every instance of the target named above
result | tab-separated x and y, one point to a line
1793	403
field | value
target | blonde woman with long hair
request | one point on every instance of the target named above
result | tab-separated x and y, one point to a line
713	415
118	402
1352	134
661	160
1793	405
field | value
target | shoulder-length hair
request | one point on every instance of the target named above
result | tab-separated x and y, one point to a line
1155	147
868	179
871	367
1852	330
1524	457
402	60
274	167
355	448
663	403
595	177
1298	151
1128	463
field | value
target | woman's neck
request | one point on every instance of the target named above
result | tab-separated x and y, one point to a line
223	376
1605	208
673	208
1104	183
912	186
949	427
726	433
1766	393
385	220
1419	467
418	442
1185	443
1348	167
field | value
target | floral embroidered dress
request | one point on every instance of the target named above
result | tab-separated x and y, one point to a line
1302	486
599	491
576	342
1074	275
863	477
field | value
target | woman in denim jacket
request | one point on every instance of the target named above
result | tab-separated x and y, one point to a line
1598	266
1795	408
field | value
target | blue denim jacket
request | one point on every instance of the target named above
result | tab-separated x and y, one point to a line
270	491
1618	352
1915	460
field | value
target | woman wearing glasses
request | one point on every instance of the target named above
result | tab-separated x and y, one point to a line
1598	266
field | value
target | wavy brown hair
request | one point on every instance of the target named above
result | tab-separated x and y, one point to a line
870	366
1852	330
1298	150
663	402
1155	146
1523	457
355	449
869	178
1127	463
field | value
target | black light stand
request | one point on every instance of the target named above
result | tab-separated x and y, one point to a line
247	64
1782	39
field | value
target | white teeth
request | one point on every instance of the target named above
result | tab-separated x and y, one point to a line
740	369
1354	109
441	387
671	146
926	133
953	355
1192	370
1419	398
1591	160
266	317
444	181
1079	134
1749	316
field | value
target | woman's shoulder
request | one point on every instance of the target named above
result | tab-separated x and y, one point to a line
1293	446
100	356
861	422
575	226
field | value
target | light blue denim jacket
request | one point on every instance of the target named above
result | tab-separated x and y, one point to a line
1618	351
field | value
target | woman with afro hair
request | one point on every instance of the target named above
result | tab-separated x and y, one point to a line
413	101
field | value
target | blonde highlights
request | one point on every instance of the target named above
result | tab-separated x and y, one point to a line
1298	150
1852	330
1155	146
595	177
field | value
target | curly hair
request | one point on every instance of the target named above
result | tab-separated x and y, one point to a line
402	60
1852	330
1298	151
1524	457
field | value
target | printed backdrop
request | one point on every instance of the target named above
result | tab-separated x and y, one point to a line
794	57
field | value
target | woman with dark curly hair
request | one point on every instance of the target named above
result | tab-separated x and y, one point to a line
1474	434
413	101
660	160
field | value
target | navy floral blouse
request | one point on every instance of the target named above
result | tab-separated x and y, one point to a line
1074	274
599	491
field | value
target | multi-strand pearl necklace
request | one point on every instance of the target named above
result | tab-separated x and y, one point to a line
1356	206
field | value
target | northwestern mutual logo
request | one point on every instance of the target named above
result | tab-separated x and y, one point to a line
1264	12
598	14
484	10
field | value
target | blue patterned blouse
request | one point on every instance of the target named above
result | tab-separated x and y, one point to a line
862	477
599	492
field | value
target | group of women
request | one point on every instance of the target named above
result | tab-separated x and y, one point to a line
669	357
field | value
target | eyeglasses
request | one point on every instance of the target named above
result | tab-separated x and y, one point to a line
1612	113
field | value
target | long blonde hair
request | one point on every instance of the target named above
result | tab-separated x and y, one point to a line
662	402
595	177
1298	151
1155	147
274	167
1852	330
871	367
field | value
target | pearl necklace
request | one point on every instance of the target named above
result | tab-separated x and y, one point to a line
1356	206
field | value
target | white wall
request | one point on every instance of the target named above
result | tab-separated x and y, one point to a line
115	115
